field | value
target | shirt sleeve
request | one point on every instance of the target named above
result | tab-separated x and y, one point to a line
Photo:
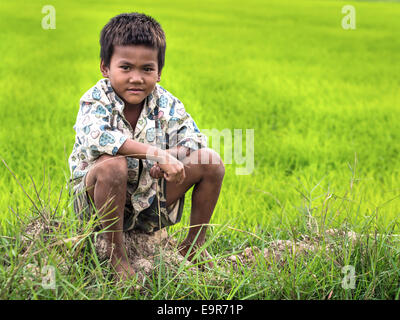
95	130
183	131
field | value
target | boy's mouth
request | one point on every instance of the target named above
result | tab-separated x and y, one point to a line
135	90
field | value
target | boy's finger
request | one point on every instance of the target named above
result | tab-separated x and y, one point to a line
181	178
170	178
159	172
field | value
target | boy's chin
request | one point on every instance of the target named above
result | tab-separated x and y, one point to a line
133	102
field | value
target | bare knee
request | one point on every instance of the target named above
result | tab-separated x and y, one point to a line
211	163
111	170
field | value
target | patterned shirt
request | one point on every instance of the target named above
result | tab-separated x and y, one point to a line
101	128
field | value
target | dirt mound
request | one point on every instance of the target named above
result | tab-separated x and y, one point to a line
143	249
278	249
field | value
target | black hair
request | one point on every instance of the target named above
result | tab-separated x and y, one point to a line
132	29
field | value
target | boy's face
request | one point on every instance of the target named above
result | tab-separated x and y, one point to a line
133	73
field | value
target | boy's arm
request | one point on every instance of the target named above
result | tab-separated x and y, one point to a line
179	152
184	135
138	150
173	169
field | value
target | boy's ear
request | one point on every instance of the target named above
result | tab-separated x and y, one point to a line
159	77
104	70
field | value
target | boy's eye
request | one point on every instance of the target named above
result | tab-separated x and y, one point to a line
148	69
125	67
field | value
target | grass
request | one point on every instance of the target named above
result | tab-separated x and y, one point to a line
323	105
80	275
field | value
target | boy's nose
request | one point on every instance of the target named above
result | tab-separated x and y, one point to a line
135	77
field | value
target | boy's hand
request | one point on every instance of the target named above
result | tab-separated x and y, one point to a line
156	172
171	168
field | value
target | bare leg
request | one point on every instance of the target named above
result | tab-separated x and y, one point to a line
207	180
108	180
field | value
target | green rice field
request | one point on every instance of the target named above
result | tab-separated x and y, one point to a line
323	102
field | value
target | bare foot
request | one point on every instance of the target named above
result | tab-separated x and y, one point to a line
124	270
204	255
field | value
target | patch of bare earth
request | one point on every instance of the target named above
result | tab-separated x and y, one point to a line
143	249
146	250
277	250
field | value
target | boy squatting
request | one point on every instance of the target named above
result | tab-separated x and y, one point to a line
133	138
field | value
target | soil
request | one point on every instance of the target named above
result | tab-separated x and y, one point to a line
278	249
144	250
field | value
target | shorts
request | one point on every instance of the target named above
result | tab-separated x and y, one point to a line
148	220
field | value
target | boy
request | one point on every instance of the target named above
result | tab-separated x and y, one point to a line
137	151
